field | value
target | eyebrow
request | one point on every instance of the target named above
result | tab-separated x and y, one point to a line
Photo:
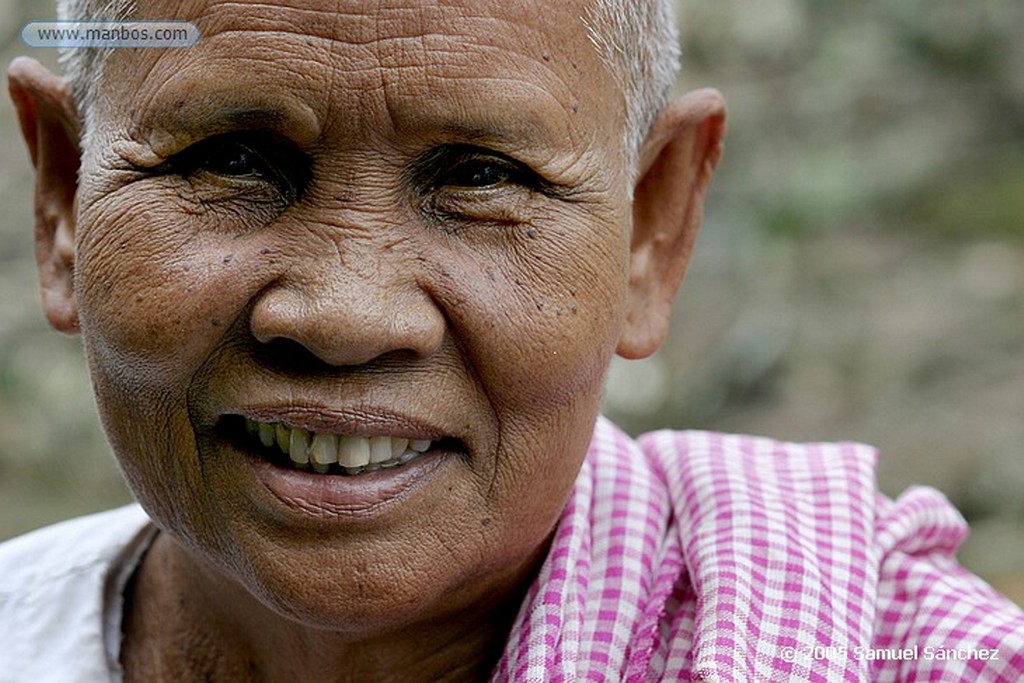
523	132
477	132
184	121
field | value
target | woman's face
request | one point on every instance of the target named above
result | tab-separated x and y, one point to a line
340	234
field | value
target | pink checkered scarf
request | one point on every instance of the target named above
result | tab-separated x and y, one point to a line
700	556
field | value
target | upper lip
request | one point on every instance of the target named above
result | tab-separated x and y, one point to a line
368	421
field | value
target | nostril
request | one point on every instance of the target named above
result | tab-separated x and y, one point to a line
289	356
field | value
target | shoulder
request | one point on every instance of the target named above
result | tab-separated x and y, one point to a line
67	548
700	472
815	491
760	462
53	585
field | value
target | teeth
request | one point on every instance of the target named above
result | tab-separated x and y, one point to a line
267	436
283	437
353	451
380	449
323	452
298	446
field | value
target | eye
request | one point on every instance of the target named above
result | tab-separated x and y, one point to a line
462	184
245	158
478	174
235	159
466	168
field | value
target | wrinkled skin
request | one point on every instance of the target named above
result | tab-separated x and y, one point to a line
388	215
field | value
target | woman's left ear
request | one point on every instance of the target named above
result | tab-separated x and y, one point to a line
675	167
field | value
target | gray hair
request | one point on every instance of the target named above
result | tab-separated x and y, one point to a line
639	43
83	67
637	39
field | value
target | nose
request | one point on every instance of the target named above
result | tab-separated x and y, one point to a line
345	317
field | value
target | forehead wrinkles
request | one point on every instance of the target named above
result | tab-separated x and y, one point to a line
393	46
430	63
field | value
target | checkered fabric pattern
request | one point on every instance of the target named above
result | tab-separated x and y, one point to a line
692	556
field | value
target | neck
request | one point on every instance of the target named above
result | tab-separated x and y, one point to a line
184	621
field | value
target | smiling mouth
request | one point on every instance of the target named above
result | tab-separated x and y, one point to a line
325	453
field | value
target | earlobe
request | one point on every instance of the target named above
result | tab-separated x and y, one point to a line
50	127
675	168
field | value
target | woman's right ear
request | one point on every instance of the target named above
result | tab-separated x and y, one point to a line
51	127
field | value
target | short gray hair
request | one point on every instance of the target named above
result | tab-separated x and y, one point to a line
637	39
82	67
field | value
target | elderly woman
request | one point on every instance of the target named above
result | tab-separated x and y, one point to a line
348	280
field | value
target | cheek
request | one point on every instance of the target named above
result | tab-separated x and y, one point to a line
156	292
541	317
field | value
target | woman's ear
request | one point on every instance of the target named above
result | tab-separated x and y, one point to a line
675	167
50	126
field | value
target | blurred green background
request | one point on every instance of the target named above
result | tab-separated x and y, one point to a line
860	274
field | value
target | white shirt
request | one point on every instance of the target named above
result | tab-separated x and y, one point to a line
61	597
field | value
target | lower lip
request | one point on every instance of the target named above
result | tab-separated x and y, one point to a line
326	496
